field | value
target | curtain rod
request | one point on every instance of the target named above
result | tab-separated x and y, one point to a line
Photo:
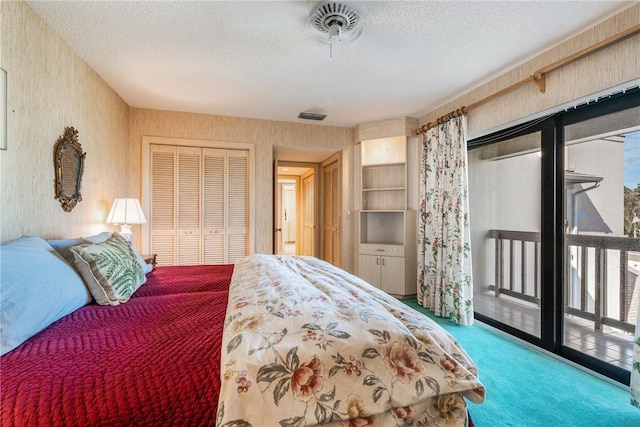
538	77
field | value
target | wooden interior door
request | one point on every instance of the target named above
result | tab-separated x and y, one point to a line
277	202
331	208
308	214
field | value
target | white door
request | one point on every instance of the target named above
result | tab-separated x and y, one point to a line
189	177
162	210
237	205
215	183
199	204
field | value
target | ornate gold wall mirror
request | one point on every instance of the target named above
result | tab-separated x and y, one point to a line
68	160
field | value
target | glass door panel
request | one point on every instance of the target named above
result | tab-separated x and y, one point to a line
602	243
504	198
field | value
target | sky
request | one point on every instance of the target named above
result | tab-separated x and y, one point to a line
632	160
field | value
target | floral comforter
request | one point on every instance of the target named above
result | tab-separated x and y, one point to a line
306	343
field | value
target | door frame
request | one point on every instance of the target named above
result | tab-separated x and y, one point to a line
278	213
316	199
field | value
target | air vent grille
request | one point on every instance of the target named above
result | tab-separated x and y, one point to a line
311	116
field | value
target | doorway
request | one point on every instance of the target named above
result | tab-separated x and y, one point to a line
287	220
318	195
295	212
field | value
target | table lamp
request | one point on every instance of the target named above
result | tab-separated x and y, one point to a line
126	212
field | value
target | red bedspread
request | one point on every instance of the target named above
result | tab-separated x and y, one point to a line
151	361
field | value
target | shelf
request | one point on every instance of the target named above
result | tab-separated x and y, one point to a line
391	200
382	165
387	227
392	176
384	189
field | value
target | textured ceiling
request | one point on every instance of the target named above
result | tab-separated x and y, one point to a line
262	59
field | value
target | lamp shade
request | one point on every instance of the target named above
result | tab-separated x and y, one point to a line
126	211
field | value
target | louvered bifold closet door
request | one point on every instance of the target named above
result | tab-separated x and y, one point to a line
163	207
237	204
189	205
213	212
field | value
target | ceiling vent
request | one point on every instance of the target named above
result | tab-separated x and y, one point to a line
311	116
336	21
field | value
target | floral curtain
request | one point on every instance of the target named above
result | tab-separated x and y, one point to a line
444	250
635	369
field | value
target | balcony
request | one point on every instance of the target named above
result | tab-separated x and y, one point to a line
602	283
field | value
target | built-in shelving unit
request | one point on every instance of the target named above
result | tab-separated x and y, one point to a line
387	245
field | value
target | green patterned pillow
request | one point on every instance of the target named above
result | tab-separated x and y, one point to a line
110	269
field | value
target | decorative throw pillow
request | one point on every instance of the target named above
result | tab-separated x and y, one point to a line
37	287
110	269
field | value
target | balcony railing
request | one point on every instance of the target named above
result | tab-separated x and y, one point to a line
590	284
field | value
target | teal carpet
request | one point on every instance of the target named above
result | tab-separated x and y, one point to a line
528	388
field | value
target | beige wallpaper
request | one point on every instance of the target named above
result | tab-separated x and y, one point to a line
604	69
50	87
264	135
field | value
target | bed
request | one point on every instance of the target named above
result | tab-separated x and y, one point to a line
273	340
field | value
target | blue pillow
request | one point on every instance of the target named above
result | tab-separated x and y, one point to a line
37	287
62	246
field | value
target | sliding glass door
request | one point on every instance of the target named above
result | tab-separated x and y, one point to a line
504	201
601	241
555	219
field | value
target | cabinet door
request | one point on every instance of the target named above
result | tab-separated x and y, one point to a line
392	275
370	269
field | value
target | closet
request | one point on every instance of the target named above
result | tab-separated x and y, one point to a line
198	204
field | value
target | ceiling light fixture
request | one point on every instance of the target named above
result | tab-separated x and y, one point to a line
337	22
335	32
